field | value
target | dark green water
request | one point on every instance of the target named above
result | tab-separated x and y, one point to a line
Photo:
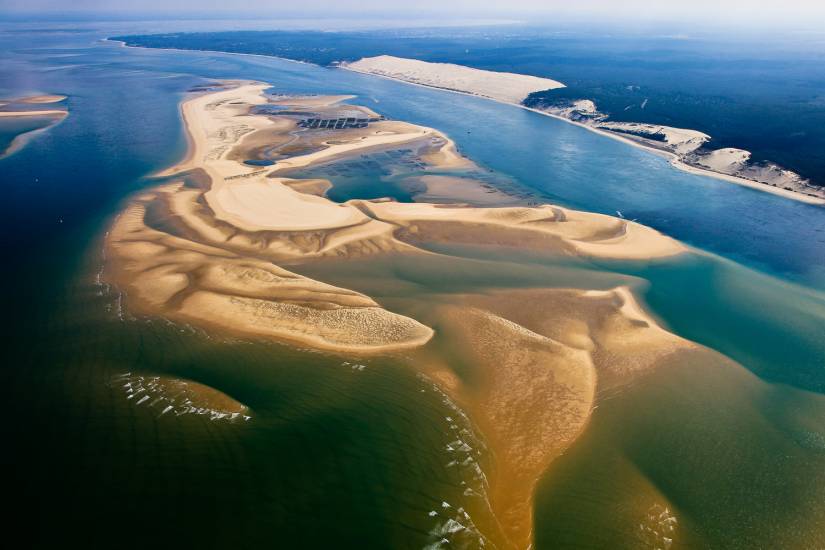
336	456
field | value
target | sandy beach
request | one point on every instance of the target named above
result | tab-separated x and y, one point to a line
220	246
507	87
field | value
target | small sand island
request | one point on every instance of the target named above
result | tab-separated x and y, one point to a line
221	243
26	117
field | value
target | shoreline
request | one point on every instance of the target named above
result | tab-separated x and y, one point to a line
675	161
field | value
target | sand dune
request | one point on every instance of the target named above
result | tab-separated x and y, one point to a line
509	87
688	151
165	274
177	397
53	116
543	227
680	140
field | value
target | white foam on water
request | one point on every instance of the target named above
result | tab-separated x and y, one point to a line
659	527
168	394
455	527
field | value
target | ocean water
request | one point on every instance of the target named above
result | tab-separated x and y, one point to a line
336	455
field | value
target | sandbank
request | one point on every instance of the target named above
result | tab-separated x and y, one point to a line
254	212
50	112
215	249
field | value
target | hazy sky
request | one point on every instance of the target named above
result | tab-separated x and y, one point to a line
811	12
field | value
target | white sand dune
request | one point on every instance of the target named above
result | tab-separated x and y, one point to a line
507	87
270	205
728	160
513	88
47	98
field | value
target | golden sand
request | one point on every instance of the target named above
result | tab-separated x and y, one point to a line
214	252
54	115
533	362
453	189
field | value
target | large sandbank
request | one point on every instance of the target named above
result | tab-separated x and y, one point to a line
217	246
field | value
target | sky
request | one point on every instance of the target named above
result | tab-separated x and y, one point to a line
811	12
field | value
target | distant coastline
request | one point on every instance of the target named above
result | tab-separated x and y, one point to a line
676	160
767	130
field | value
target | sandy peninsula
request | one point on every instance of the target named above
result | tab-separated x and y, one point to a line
220	243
